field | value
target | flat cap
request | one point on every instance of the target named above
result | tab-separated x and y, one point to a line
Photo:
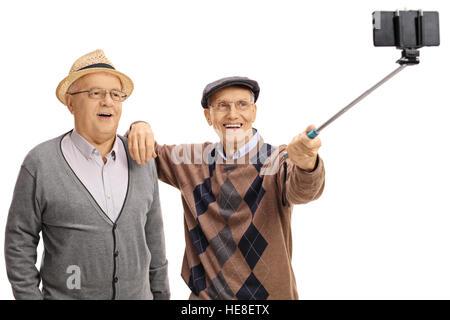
227	82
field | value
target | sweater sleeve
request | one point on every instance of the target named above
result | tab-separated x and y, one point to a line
168	170
22	238
154	229
300	186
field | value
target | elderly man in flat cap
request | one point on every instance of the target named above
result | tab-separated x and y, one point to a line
98	211
238	195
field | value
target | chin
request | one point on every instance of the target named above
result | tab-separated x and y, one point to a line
108	131
230	136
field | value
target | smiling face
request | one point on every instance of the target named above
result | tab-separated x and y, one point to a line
95	119
234	126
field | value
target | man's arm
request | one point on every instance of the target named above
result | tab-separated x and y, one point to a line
154	231
302	175
141	142
301	186
142	146
22	238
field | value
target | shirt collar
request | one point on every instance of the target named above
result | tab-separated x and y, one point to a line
88	150
246	148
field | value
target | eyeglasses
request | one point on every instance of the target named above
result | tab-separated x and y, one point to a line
98	93
240	105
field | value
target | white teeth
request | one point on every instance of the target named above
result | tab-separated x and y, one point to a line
232	125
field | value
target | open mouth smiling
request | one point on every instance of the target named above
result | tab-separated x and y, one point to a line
104	115
232	126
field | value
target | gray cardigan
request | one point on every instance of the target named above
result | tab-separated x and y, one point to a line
86	255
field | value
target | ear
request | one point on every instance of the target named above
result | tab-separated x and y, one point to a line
68	102
207	113
254	112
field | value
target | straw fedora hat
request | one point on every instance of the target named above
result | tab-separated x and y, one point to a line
92	62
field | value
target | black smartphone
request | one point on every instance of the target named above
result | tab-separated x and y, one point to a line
405	29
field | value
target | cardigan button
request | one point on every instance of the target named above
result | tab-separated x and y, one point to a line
116	279
116	254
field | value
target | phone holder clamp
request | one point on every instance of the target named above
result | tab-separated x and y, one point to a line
409	57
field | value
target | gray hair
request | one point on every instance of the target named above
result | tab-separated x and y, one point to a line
73	86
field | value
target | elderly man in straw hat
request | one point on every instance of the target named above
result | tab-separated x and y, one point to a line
98	211
238	195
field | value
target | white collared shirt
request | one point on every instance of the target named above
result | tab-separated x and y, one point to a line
243	150
106	182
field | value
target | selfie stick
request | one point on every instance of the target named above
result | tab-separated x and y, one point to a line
409	57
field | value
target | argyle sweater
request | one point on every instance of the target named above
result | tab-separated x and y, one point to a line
237	217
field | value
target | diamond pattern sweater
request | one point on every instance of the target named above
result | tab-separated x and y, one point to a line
237	218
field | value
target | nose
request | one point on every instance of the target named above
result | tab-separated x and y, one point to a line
232	112
107	100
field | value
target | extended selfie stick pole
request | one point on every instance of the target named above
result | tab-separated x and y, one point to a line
315	132
409	57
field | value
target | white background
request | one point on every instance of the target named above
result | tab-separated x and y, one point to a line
381	229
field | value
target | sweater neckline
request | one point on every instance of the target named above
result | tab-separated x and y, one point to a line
88	193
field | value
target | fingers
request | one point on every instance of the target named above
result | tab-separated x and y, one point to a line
308	142
150	149
309	128
133	144
135	148
142	149
141	142
303	151
303	144
310	145
130	148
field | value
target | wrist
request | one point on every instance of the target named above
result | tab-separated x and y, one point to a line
139	121
308	166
